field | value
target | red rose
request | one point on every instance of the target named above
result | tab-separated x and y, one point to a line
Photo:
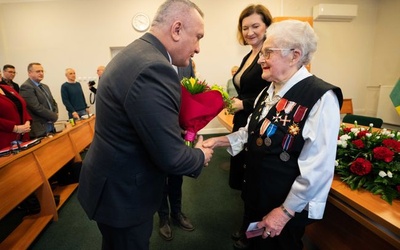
383	153
398	188
346	130
358	143
361	166
361	134
392	144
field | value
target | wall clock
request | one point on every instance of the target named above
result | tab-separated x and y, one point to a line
141	22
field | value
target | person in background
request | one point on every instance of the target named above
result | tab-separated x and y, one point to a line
73	97
138	139
253	23
40	102
230	88
92	88
15	121
171	204
288	176
99	72
8	77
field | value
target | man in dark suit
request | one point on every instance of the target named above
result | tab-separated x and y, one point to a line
40	102
137	139
172	200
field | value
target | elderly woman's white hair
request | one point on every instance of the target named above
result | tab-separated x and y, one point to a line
294	34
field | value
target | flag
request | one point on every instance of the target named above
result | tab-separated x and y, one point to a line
395	96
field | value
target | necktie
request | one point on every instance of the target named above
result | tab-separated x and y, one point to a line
47	96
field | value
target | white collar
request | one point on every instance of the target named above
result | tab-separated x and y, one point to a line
301	74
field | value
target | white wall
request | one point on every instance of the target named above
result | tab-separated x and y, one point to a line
385	60
79	34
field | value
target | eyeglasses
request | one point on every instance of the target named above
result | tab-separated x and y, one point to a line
11	72
267	52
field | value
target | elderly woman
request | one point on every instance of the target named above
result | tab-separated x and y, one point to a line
290	139
15	121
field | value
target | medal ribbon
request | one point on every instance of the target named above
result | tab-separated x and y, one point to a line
287	142
299	114
290	105
279	107
264	126
281	104
271	130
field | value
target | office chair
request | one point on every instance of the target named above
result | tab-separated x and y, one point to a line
363	120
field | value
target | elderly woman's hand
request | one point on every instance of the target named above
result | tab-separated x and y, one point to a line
273	222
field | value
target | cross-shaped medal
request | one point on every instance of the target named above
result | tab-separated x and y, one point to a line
277	117
285	120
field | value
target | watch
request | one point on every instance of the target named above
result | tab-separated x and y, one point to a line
140	22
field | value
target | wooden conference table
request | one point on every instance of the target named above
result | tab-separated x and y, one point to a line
29	171
352	219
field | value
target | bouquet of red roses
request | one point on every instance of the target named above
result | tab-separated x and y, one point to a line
199	105
370	160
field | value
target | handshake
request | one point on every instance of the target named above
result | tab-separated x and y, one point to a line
207	146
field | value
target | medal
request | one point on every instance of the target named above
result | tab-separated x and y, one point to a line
279	107
284	156
290	105
259	141
288	108
267	141
285	120
298	116
294	129
286	144
270	132
263	127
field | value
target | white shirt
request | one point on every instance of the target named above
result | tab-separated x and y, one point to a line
317	158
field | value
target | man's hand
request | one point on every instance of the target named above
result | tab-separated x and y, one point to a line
208	152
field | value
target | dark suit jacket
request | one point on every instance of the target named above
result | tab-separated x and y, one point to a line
9	117
137	139
38	107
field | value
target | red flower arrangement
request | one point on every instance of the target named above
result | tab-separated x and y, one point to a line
370	160
199	105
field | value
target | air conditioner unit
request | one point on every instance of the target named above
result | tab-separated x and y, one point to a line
334	12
